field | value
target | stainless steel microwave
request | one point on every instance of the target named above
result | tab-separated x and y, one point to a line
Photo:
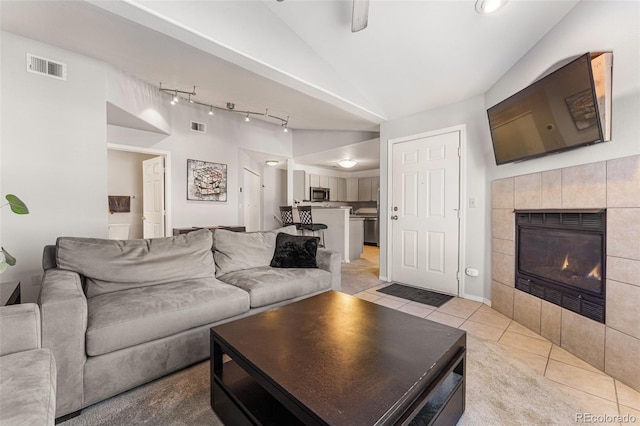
319	194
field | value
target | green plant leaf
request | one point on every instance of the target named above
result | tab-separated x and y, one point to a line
7	257
17	206
3	266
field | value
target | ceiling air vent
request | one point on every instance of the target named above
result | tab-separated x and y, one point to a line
198	127
43	66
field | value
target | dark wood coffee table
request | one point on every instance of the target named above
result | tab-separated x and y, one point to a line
335	359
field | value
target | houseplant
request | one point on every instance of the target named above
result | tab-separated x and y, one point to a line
18	207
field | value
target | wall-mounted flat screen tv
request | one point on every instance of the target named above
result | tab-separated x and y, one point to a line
554	114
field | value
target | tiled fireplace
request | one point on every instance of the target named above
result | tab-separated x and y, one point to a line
614	185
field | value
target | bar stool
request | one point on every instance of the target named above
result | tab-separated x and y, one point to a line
286	214
306	222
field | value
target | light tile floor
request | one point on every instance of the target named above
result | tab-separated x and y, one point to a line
580	381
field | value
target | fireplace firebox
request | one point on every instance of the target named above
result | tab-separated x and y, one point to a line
560	258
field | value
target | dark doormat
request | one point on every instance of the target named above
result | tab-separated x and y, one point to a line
416	294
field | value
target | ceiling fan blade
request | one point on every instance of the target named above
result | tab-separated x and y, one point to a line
360	16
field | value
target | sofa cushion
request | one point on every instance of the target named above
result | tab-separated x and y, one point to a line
126	318
267	285
28	383
112	265
234	251
295	251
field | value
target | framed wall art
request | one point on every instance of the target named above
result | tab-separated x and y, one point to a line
206	181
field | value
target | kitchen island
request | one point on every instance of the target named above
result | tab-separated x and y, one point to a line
344	233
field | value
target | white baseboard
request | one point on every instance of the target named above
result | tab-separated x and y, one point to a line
474	298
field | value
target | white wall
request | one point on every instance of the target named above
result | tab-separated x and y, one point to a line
225	141
311	141
54	150
472	114
54	154
124	177
589	27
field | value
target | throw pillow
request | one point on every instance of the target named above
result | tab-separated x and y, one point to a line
293	251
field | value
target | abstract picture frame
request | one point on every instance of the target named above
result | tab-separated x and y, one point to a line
206	181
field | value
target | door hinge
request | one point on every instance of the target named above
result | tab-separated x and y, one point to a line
459	152
458	275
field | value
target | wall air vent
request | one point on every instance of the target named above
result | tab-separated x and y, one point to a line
198	127
43	66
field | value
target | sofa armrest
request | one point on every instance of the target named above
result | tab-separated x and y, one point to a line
331	261
63	307
19	328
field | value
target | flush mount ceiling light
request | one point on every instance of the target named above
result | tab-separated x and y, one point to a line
271	163
231	107
347	163
488	6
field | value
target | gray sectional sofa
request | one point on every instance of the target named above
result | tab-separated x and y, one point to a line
27	371
117	314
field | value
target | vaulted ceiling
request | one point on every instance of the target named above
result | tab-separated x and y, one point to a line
299	58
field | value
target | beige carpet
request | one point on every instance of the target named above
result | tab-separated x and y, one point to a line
500	391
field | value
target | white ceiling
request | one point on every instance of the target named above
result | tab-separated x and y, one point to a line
299	58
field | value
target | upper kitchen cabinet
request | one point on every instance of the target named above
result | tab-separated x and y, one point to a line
342	189
324	181
333	189
352	189
368	188
314	181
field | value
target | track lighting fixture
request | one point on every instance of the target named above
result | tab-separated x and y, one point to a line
231	107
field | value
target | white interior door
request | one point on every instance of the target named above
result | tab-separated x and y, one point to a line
153	213
251	201
425	202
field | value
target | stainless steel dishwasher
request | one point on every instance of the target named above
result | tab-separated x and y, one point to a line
371	231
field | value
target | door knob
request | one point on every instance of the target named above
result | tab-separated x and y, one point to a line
394	217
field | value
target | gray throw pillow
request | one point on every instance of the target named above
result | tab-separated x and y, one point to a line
295	251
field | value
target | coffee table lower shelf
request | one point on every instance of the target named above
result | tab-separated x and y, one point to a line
239	400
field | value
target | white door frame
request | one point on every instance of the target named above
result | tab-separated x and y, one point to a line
167	177
462	194
244	195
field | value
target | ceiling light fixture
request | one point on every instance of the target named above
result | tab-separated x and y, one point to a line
488	6
230	107
347	163
272	163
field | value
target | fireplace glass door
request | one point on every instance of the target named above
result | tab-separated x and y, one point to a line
565	257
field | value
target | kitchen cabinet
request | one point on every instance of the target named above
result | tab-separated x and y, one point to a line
314	181
364	189
300	189
352	189
333	189
324	181
368	188
342	189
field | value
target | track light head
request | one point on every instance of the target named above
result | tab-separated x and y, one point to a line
211	110
247	119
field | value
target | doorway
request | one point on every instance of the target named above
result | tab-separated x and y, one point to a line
252	210
149	196
425	203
